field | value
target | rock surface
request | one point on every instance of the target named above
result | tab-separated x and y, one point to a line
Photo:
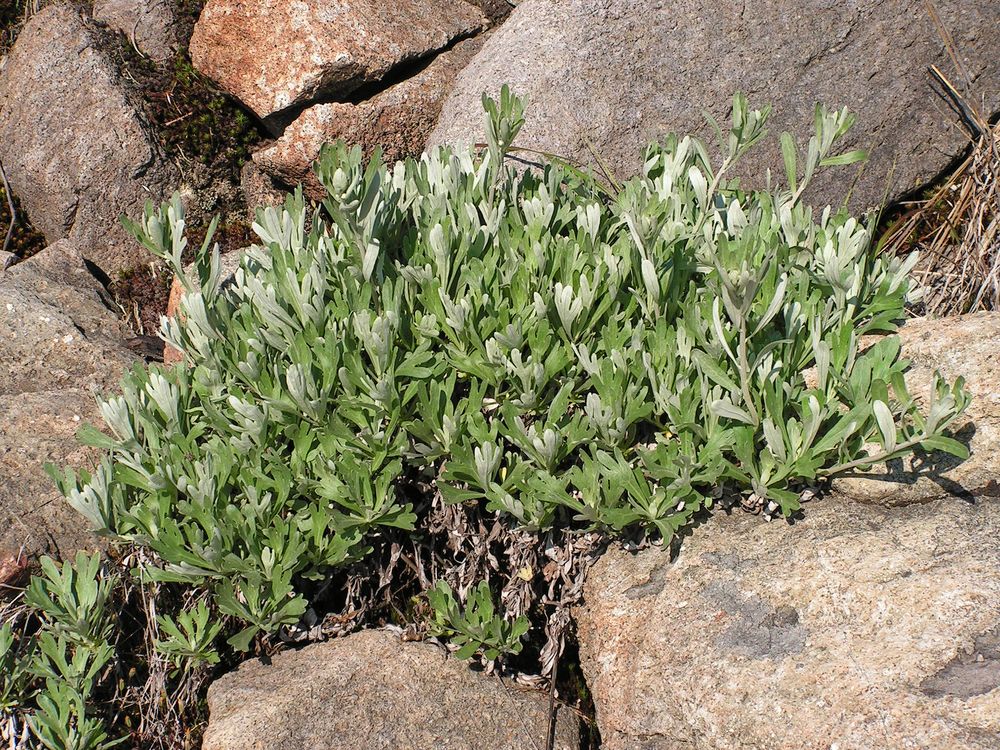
398	120
967	346
59	342
610	76
368	691
273	54
75	149
258	189
857	627
149	24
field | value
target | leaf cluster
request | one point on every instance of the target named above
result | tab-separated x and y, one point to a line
50	674
475	628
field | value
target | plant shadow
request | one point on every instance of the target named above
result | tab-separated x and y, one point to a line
932	466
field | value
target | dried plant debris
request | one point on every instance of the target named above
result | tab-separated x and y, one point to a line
956	228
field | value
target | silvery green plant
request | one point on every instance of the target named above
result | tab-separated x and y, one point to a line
475	628
15	674
51	671
190	637
72	600
556	352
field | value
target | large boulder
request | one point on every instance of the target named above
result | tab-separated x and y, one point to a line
368	691
272	54
398	120
76	150
605	78
966	346
150	25
59	343
855	627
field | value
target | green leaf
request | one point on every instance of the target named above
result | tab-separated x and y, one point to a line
91	436
711	368
946	445
886	425
727	410
242	640
791	163
849	157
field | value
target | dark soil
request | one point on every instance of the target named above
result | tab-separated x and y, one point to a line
574	691
11	19
210	136
25	240
495	10
142	294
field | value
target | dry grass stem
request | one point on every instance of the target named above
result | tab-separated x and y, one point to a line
957	228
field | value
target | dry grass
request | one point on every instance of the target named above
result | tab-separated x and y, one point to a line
956	228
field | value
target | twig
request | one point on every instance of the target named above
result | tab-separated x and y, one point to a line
972	118
876	459
131	37
178	119
949	43
550	733
13	211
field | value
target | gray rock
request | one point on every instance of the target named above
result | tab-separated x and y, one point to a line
258	190
855	627
273	55
149	24
966	346
607	77
59	343
76	150
368	691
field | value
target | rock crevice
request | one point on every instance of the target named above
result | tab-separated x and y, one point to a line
274	56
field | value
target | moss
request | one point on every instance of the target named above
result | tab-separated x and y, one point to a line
193	119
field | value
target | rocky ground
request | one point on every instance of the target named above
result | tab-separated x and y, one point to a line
870	622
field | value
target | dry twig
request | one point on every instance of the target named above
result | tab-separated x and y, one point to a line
10	205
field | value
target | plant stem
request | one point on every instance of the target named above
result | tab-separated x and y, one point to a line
878	458
744	365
